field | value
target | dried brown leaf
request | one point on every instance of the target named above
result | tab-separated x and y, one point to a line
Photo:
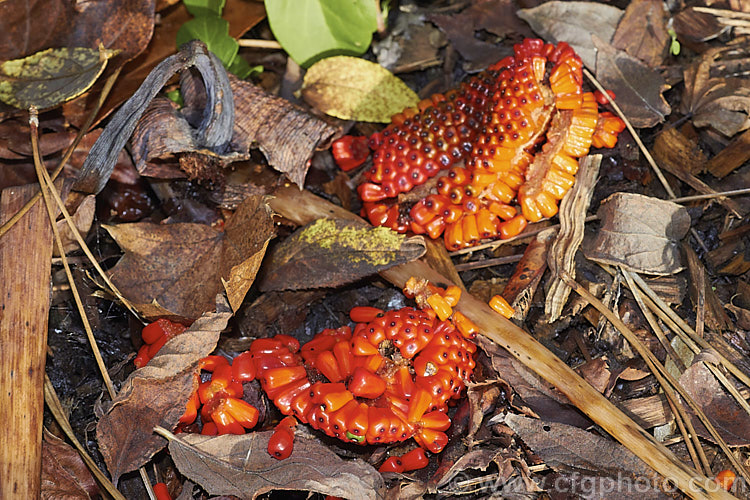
156	395
575	23
285	133
497	17
331	252
481	459
64	474
638	88
241	466
82	218
642	32
722	102
640	233
177	269
609	466
730	420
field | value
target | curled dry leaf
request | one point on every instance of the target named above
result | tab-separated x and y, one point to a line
156	395
50	77
355	89
332	252
573	210
241	466
64	474
575	23
213	132
722	102
638	88
639	233
177	269
82	218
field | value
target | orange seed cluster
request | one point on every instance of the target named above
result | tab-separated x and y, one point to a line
519	128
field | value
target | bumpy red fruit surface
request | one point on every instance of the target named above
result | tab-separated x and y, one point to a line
389	379
519	129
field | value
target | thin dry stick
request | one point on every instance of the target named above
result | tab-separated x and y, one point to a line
259	44
652	321
642	147
55	407
655	368
39	166
102	97
480	264
723	13
83	245
683	330
723	194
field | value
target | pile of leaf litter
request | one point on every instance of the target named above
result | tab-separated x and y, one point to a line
225	210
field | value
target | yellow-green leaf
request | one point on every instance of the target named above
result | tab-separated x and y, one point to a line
51	77
354	89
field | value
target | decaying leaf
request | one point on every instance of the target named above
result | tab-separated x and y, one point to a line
642	32
571	450
481	459
213	133
241	466
82	218
721	102
355	89
286	134
730	420
465	30
332	252
177	269
639	233
638	88
50	77
156	395
64	474
520	289
575	23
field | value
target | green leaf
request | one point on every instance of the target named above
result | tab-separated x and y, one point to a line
241	69
310	30
51	77
214	32
354	89
200	8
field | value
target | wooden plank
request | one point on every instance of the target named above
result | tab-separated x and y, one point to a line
25	257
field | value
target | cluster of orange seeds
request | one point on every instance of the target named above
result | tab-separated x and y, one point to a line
389	379
519	127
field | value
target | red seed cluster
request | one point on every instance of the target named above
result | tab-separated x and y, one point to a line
520	128
389	379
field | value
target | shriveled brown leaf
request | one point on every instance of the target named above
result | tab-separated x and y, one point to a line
730	420
520	289
721	102
642	32
539	397
609	466
640	233
413	43
575	23
331	252
15	144
497	17
156	395
694	27
177	269
241	15
480	459
28	27
64	474
82	218
638	88
285	133
241	466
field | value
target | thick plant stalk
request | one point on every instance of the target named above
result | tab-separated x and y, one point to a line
303	207
25	259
